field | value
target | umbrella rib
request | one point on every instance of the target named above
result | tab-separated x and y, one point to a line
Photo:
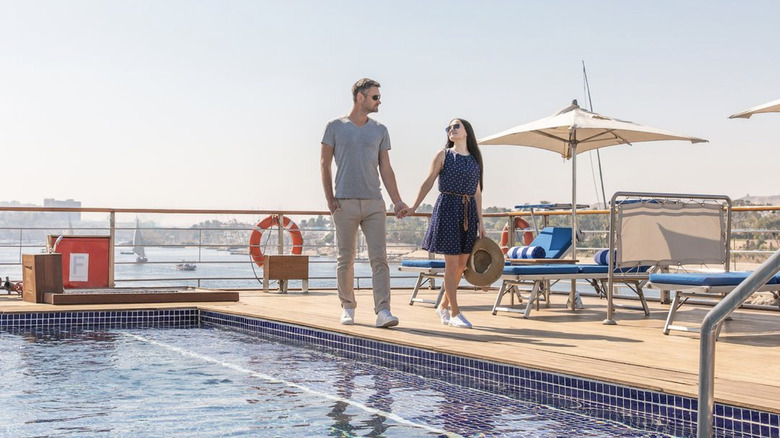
596	136
554	137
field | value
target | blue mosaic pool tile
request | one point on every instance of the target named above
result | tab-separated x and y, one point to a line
109	319
644	409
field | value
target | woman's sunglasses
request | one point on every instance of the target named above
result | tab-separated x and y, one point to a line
453	126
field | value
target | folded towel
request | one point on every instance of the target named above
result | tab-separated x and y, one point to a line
602	257
526	252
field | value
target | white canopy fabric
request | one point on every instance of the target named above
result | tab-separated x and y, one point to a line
574	125
769	107
572	130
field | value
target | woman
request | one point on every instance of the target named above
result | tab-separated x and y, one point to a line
456	221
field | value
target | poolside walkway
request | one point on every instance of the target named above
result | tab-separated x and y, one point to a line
635	352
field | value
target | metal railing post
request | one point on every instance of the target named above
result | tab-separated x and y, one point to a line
111	247
709	330
511	229
281	233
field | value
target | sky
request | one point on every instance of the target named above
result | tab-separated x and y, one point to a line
222	104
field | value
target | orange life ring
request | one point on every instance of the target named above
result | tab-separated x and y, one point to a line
520	224
256	251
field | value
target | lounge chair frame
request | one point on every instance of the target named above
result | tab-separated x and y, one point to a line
655	229
536	283
427	274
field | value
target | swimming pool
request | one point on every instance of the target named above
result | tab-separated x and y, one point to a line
194	373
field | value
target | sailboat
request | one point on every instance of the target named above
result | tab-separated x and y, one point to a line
138	244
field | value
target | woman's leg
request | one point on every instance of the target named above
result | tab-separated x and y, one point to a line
454	265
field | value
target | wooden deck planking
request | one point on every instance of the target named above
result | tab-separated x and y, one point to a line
635	352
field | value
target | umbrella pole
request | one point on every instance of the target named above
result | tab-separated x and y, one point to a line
573	292
574	200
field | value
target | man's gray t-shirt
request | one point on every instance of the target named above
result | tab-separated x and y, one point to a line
356	152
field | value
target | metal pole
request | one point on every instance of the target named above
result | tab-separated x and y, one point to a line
573	287
281	234
610	320
574	198
111	247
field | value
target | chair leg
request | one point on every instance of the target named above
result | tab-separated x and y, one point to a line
416	289
440	296
547	294
672	311
533	298
642	299
498	297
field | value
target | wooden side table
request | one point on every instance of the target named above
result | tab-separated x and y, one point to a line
284	268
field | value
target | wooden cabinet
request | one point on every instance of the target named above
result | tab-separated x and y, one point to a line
41	273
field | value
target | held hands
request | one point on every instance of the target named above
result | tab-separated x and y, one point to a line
402	210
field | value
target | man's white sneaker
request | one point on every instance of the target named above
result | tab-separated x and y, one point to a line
459	321
386	319
444	315
348	316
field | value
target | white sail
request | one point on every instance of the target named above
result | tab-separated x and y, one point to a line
138	242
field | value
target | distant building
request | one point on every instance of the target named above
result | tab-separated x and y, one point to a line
73	216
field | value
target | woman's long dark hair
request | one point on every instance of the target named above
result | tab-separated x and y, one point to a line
471	145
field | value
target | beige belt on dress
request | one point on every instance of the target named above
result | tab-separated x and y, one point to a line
466	199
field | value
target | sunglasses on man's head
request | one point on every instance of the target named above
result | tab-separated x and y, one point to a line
453	126
376	97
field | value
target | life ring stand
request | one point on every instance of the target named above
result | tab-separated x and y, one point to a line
520	224
256	251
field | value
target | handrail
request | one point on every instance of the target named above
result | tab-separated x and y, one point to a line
709	330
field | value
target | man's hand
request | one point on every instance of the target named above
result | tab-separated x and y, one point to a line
401	210
334	205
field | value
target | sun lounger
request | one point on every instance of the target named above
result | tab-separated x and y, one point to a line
633	277
670	230
554	241
539	277
538	281
646	235
428	271
701	286
529	280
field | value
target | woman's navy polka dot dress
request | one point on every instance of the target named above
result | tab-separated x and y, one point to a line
459	176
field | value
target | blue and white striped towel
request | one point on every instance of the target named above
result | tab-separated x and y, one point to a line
526	252
602	257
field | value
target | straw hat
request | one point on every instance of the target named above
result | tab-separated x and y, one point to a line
485	264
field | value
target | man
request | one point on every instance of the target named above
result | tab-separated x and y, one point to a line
360	146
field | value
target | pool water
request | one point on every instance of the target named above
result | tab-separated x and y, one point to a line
215	382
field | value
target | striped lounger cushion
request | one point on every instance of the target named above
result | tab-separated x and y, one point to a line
526	252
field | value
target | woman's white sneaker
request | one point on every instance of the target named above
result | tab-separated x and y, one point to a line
459	321
444	315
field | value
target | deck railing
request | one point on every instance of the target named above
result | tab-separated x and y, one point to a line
205	237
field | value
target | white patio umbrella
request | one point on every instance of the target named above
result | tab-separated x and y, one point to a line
572	130
769	107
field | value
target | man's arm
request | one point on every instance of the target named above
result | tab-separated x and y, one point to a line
326	161
388	178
